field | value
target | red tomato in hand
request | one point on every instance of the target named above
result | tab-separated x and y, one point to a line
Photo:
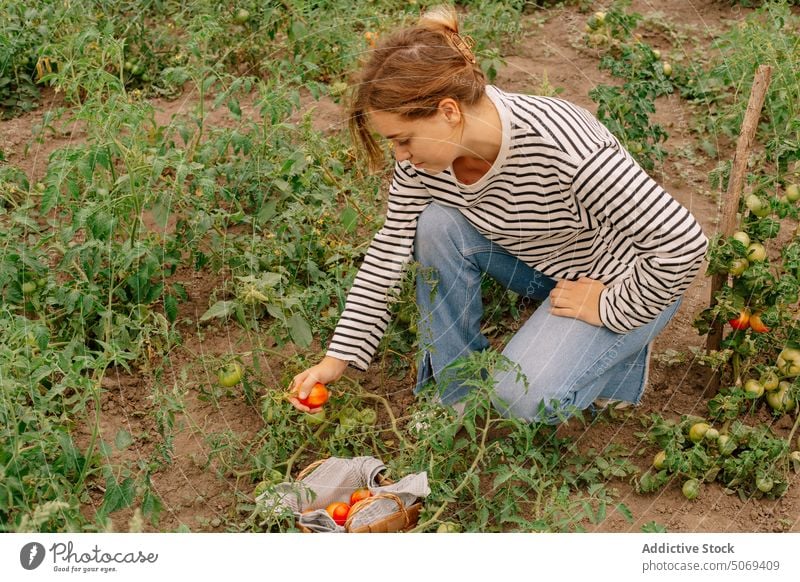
359	494
338	511
317	397
741	322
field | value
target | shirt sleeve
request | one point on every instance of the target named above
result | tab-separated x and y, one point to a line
666	244
366	313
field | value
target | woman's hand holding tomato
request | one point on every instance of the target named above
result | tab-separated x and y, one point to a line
327	371
316	398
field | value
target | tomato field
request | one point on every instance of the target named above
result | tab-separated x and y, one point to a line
182	213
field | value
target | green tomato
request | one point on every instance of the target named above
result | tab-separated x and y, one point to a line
230	375
769	380
314	419
368	416
347	421
781	400
753	388
738	266
793	192
712	434
241	16
660	459
757	205
788	362
698	431
28	287
726	445
742	237
691	489
448	527
260	488
667	68
764	483
756	252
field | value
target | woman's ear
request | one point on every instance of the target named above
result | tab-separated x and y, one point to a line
450	109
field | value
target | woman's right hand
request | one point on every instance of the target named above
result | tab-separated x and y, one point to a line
328	370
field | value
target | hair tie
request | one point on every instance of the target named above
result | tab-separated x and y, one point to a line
464	45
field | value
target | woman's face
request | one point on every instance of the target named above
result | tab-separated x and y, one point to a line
430	144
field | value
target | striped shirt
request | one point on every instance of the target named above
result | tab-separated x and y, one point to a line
565	197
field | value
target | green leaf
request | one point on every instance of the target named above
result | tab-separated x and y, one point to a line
266	212
151	506
625	511
118	495
50	199
171	308
235	109
220	309
300	330
349	219
123	440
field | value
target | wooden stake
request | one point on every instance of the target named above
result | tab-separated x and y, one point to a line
730	205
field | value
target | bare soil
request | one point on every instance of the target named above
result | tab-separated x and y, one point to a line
197	487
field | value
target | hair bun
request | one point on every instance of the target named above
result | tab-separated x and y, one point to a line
440	18
443	19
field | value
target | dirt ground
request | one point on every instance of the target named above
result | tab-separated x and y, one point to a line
203	498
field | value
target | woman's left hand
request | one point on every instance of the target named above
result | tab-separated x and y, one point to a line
577	299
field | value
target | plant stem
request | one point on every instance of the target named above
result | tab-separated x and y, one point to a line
386	405
481	453
296	455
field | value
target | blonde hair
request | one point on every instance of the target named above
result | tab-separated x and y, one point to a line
410	72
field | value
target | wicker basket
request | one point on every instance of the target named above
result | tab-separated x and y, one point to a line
404	519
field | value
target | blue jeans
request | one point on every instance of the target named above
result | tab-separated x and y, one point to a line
568	363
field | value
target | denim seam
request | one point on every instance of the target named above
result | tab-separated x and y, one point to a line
483	249
571	391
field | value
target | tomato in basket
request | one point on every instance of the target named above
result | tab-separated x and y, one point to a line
359	494
338	511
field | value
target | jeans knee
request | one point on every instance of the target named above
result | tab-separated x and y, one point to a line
438	227
537	401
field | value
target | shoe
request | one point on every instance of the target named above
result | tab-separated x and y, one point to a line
603	403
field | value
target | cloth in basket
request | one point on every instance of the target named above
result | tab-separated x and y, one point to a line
334	479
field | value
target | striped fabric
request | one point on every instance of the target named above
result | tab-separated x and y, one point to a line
563	196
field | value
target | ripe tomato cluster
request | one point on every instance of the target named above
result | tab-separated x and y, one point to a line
340	511
747	319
